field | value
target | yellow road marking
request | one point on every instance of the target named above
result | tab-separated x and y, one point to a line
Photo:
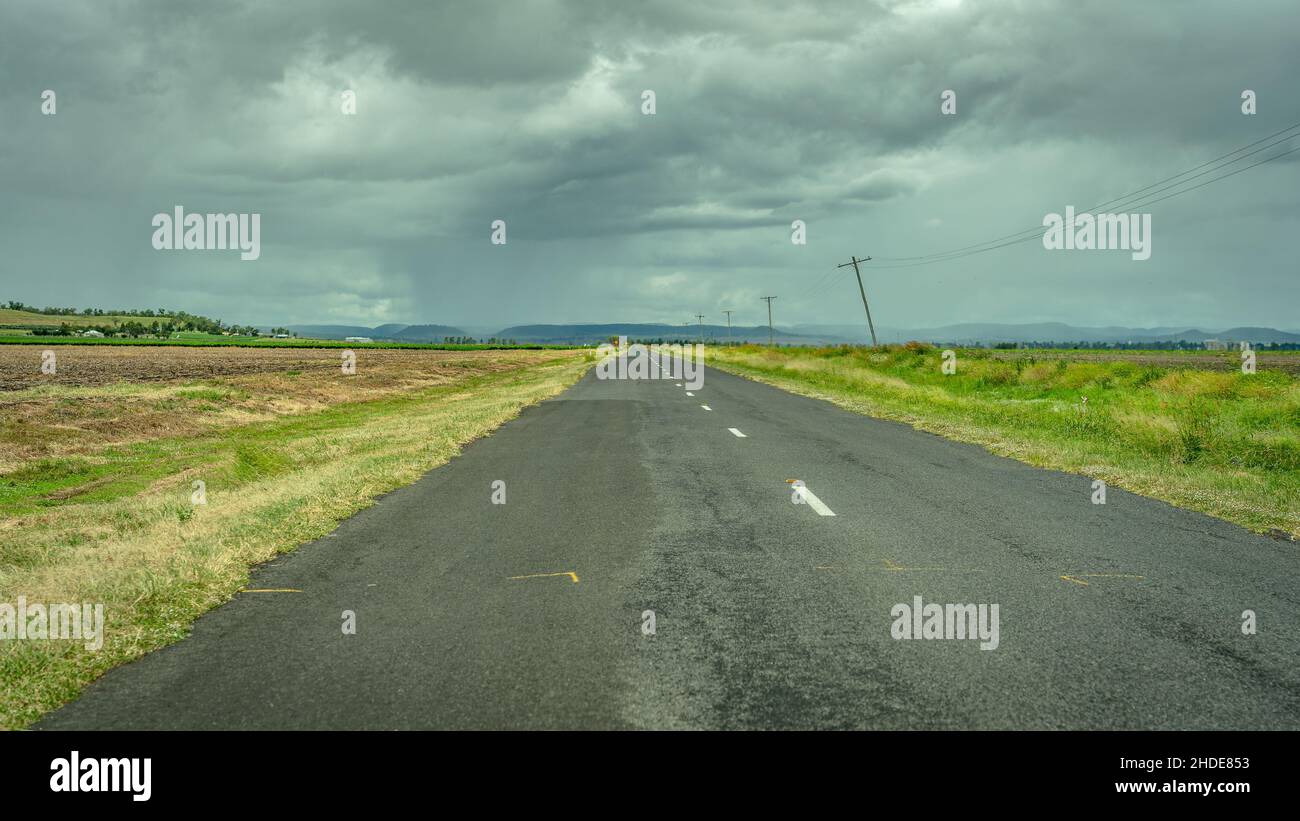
1078	578
895	566
889	565
271	590
570	574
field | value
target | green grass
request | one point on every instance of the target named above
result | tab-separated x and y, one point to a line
116	525
218	394
8	316
1221	442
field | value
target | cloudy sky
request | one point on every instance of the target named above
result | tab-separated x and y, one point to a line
531	112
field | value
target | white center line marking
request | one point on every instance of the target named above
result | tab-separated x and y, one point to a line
679	384
706	407
812	501
738	433
688	393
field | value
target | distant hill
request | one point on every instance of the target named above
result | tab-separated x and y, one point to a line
391	331
964	333
29	319
988	332
1259	335
595	334
426	333
1059	332
329	331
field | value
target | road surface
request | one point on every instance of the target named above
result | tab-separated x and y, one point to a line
630	496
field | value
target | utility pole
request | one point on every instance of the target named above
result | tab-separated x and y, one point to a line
700	317
769	318
863	291
728	313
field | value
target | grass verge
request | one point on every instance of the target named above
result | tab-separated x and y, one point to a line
132	540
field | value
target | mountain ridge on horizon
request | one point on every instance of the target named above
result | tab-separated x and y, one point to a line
809	333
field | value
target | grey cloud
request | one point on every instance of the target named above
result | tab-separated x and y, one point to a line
530	112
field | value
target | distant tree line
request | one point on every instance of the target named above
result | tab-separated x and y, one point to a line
134	329
48	311
469	340
164	323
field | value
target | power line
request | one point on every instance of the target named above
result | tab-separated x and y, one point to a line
1216	179
1043	231
1125	196
831	273
1140	202
1038	230
1033	233
834	276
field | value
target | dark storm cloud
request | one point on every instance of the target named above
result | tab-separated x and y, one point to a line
530	112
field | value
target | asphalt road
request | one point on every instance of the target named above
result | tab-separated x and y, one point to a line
768	614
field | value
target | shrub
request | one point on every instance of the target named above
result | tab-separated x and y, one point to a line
1195	432
1190	383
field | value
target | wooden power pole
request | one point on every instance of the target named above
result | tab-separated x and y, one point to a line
769	318
863	291
728	313
700	317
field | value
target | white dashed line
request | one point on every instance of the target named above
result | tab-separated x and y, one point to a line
812	501
738	433
706	407
688	393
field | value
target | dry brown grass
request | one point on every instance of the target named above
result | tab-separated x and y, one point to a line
113	395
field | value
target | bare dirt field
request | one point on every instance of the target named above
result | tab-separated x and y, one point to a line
84	365
106	395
